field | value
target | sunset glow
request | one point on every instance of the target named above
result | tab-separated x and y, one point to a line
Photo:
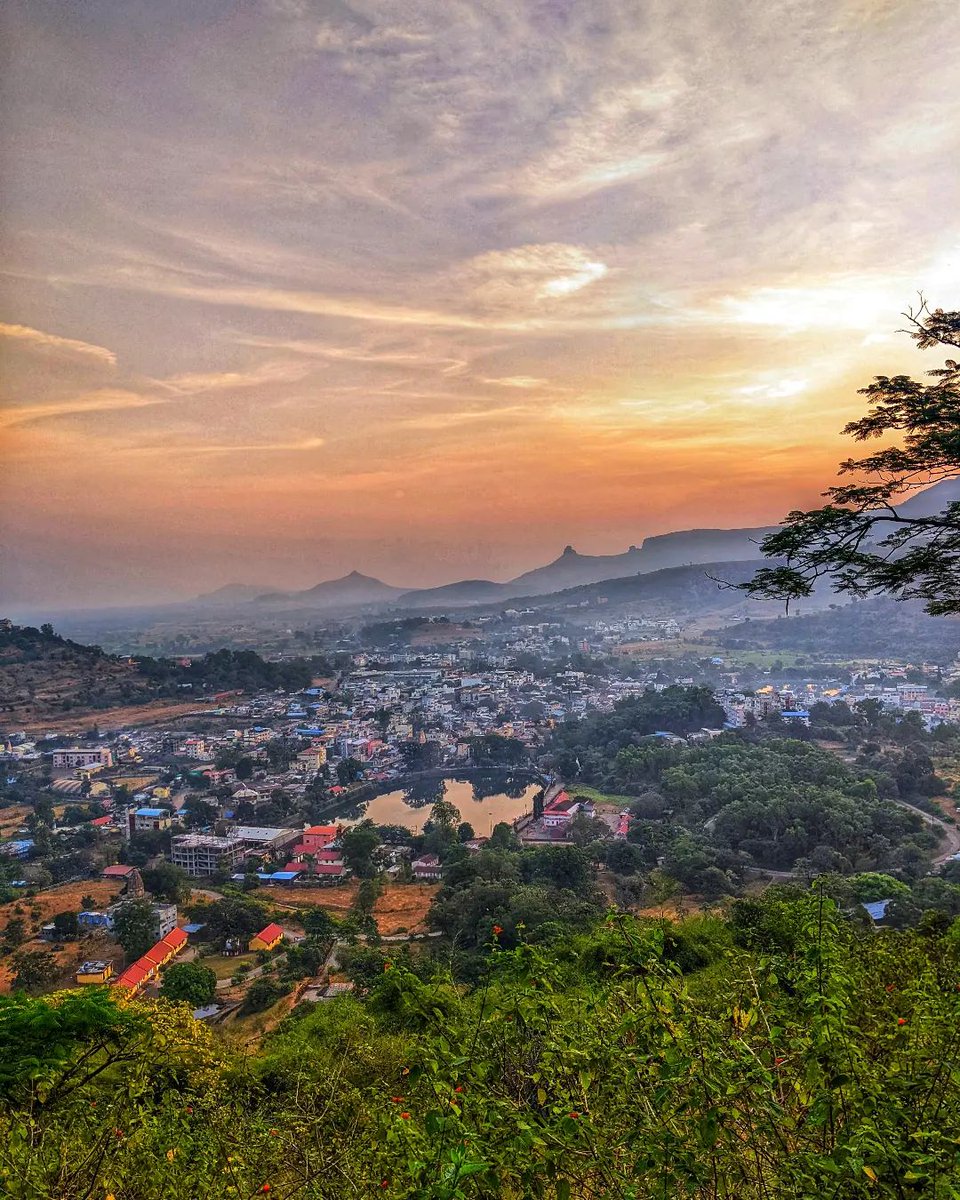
294	287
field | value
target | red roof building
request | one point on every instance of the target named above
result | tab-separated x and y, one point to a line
268	938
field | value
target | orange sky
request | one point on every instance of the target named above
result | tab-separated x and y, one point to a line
299	287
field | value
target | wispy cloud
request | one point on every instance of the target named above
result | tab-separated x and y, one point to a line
36	339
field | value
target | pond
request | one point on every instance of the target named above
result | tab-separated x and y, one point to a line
483	800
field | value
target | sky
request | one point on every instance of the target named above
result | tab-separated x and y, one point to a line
429	290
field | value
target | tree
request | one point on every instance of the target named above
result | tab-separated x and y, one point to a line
15	933
65	925
860	539
135	927
189	981
33	970
358	846
167	882
233	916
349	771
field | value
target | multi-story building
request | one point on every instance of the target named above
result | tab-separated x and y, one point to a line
204	854
69	760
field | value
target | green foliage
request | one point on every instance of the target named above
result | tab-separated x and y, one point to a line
359	846
135	927
859	539
233	916
788	1053
168	883
189	981
34	970
583	748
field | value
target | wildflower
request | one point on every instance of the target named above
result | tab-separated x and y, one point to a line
574	1116
189	1110
901	1020
171	1155
387	966
890	987
93	1104
384	1183
497	929
274	1132
458	1088
778	1062
265	1188
404	1116
396	1099
118	1133
109	1196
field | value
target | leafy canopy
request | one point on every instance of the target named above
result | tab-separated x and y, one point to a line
860	539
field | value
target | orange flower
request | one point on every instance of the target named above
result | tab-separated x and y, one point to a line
274	1132
901	1020
574	1116
404	1116
890	987
458	1088
778	1062
497	929
188	1109
384	1183
396	1099
265	1188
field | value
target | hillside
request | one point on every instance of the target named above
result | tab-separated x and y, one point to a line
353	590
783	1052
874	628
44	675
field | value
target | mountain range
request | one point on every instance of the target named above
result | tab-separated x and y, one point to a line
689	547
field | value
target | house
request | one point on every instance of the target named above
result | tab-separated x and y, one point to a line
139	974
96	970
427	867
142	819
314	838
268	938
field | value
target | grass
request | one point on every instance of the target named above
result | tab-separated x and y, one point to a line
224	967
580	789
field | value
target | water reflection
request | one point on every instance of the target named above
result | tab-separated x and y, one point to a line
483	800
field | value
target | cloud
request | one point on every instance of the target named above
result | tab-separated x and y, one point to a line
104	400
36	339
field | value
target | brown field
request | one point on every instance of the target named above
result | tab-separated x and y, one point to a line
12	818
154	713
339	900
402	907
64	898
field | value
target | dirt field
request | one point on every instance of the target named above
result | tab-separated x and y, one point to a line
12	818
107	719
339	900
62	899
402	907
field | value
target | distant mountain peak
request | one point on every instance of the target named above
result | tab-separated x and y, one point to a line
568	552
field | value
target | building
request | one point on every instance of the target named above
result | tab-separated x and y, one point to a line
70	760
96	970
315	838
262	839
268	938
204	854
145	819
194	747
139	973
428	867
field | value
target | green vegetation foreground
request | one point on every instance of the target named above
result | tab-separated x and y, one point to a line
787	1051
